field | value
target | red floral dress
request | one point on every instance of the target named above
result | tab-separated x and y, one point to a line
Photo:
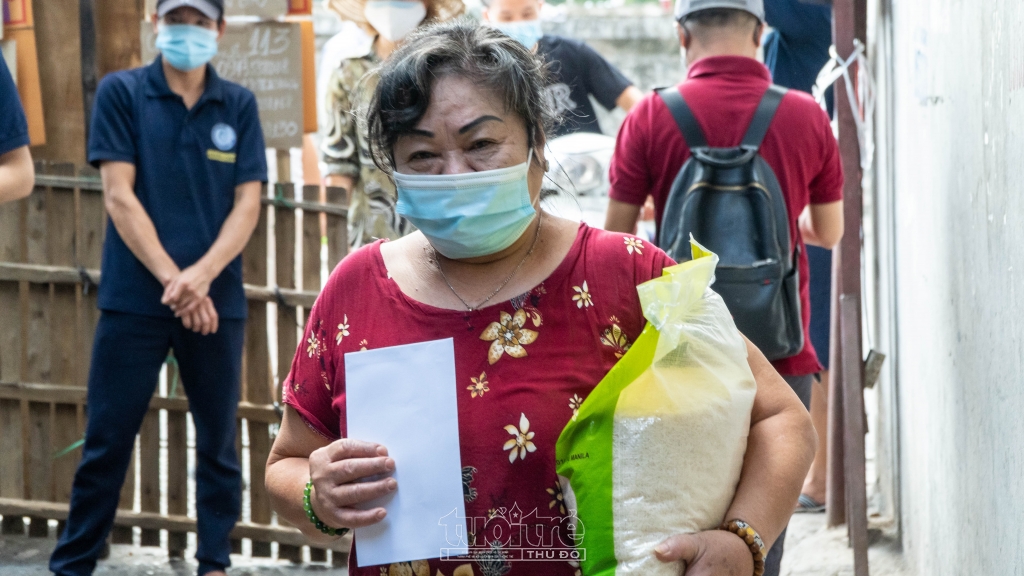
523	368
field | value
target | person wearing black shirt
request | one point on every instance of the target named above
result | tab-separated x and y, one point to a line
578	70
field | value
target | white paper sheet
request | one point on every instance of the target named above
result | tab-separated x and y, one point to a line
404	397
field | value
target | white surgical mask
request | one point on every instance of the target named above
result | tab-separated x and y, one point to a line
394	19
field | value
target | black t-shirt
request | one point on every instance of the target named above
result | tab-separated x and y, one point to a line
578	71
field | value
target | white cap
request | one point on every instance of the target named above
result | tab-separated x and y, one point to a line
212	9
686	7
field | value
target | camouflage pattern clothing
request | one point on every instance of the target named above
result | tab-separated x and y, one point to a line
345	151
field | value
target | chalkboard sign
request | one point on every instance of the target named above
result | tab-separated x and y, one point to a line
265	57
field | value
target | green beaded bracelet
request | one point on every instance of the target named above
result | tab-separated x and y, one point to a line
308	507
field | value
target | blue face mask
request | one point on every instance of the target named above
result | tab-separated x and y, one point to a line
468	215
526	32
186	47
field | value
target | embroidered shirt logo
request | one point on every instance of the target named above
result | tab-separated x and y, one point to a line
223	136
218	156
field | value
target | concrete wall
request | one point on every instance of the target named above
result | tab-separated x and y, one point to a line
958	222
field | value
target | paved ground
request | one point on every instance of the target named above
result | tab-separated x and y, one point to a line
22	556
811	550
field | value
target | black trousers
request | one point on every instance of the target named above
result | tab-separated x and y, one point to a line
128	352
802	386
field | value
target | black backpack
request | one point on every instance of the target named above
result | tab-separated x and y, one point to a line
730	201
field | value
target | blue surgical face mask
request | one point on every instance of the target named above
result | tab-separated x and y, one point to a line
185	46
526	32
468	215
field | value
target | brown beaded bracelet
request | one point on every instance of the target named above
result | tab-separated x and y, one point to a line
752	539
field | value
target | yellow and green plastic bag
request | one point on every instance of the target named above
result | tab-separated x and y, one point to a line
657	448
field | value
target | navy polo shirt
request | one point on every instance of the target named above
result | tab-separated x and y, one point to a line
13	127
187	165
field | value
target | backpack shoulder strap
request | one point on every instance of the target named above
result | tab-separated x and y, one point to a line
763	116
684	117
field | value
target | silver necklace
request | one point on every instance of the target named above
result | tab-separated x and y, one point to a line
437	262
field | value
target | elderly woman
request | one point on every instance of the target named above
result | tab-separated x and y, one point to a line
372	30
539	307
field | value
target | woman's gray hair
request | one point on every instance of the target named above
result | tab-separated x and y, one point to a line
462	49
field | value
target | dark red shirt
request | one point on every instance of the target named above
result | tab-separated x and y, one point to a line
724	92
523	368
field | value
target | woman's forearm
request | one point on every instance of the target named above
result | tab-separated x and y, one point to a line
286	479
288	471
780	450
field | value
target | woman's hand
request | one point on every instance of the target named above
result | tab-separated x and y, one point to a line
711	553
345	474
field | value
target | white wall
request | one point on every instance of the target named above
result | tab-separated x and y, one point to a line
958	219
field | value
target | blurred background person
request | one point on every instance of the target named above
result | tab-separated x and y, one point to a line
577	70
795	50
372	31
17	174
182	158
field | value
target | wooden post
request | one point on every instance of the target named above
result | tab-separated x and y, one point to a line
40	468
257	384
177	463
117	34
12	462
91	224
110	42
61	215
285	219
337	228
149	471
312	242
36	314
317	554
850	24
287	317
58	43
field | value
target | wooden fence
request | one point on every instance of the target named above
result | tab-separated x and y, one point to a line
50	246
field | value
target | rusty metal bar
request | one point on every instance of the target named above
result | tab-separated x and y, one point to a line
850	24
853	403
835	493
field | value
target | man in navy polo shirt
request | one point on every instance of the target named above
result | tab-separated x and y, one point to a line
182	158
724	85
16	171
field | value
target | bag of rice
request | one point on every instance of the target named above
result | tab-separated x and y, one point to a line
658	445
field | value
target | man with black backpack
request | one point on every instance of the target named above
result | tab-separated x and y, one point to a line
751	170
